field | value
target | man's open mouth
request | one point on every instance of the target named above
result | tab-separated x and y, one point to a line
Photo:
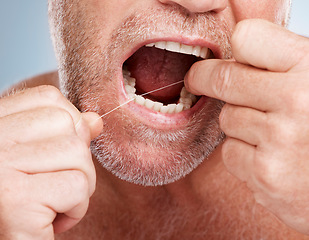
157	65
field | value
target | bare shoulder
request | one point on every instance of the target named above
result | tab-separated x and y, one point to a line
50	78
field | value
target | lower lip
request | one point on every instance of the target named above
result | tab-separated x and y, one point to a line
160	120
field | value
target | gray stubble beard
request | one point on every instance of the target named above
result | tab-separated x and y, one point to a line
86	70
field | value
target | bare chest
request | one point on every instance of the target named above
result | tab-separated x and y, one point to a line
220	215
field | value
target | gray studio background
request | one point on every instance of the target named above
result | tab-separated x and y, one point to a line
25	46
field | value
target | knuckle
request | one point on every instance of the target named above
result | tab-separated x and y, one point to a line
266	174
13	193
279	133
275	133
81	153
223	117
271	128
65	116
299	101
84	162
228	150
294	98
222	80
49	92
302	53
79	184
80	148
62	117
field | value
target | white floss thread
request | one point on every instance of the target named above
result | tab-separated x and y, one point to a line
144	94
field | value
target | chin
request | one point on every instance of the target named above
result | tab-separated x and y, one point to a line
158	137
144	154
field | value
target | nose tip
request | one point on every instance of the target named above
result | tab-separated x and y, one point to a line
199	6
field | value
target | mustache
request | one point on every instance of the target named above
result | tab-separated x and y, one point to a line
167	20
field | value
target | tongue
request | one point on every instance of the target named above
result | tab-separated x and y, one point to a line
155	68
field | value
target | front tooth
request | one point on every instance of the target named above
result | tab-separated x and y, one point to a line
157	106
173	46
171	108
179	108
149	104
140	100
204	52
196	51
161	45
186	49
164	109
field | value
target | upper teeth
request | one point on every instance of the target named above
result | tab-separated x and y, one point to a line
198	51
185	102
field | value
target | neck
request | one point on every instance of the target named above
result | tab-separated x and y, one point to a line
189	190
208	204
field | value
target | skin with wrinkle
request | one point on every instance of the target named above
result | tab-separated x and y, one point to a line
92	39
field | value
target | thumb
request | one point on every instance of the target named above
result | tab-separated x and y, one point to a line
94	122
89	126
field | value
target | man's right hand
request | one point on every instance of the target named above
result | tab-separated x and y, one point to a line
46	171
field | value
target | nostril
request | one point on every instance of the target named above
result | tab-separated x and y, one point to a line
199	6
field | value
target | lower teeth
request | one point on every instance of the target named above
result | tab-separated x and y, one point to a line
185	102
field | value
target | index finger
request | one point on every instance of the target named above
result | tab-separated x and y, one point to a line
235	83
265	45
37	97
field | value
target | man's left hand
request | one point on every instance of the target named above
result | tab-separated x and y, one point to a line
266	115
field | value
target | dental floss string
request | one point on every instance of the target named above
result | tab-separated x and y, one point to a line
144	94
